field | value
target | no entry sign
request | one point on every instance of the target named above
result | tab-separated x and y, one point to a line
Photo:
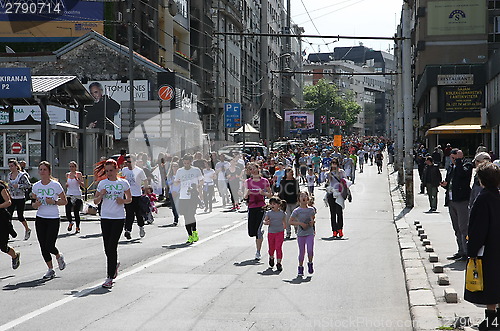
16	148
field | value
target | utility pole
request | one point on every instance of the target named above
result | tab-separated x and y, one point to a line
217	82
130	34
408	106
399	114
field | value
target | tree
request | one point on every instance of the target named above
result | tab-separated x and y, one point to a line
326	99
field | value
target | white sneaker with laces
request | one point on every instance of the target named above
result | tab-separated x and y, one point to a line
61	262
108	283
257	256
27	234
142	233
49	274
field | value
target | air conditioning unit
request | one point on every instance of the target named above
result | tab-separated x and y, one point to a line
70	140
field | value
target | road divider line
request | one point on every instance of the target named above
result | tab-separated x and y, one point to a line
85	292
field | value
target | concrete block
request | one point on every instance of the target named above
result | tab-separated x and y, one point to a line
410	254
421	298
423	236
450	295
425	318
412	263
418	226
443	279
433	258
426	242
429	248
416	222
407	245
421	231
437	268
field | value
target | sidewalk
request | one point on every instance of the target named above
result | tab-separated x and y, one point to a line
432	305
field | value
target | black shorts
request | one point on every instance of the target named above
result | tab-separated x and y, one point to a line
255	218
303	170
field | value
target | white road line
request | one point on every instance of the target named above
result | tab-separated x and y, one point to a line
218	230
80	293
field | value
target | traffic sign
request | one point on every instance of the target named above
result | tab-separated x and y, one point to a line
166	92
232	115
15	83
16	148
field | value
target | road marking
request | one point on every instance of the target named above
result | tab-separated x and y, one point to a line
94	287
218	230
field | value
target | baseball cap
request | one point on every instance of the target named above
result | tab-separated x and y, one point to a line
483	156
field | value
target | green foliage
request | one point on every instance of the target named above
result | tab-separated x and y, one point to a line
327	99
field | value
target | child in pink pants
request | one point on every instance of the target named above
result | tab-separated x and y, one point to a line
276	219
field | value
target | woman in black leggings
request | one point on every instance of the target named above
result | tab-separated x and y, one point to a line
18	184
5	226
114	193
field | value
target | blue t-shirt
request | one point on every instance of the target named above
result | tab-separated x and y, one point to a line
279	174
326	162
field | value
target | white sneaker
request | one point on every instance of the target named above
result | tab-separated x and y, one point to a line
108	283
61	262
142	233
27	234
257	256
49	274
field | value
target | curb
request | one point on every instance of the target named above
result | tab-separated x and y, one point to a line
421	299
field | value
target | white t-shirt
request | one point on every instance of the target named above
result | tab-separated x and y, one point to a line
221	167
187	179
208	176
42	192
114	189
134	177
311	179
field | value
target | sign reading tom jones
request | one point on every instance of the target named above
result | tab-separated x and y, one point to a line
462	98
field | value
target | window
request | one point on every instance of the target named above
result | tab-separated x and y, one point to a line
496	24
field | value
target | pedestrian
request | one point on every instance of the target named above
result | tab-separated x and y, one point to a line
136	178
173	191
476	186
278	176
208	186
432	178
361	159
289	191
436	156
481	148
190	180
6	225
234	178
311	181
74	182
420	160
457	196
446	154
303	217
222	186
354	159
378	160
334	197
18	184
276	219
483	243
48	194
114	193
256	189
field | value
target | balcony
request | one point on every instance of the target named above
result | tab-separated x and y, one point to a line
181	61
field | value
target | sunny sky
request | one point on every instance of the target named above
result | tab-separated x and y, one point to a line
348	18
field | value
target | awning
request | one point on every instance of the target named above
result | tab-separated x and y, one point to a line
466	125
248	129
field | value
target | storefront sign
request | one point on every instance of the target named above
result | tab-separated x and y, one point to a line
462	98
460	79
456	17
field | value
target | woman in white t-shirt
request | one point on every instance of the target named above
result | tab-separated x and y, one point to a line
48	194
114	193
208	186
74	182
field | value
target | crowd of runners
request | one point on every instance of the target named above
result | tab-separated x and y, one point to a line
278	191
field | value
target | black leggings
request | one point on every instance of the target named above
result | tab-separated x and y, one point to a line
5	227
208	193
336	215
111	232
18	204
133	210
75	208
47	230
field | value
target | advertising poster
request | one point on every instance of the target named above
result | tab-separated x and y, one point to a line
456	17
300	121
462	98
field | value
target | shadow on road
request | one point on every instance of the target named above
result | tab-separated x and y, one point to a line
29	284
90	236
247	263
334	238
91	291
298	280
66	235
402	213
130	242
176	246
457	265
6	277
269	272
171	225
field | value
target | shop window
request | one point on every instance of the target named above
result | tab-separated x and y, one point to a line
35	155
14	140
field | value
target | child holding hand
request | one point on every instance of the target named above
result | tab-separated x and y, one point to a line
276	219
303	217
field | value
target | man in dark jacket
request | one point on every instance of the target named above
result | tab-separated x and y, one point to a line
457	185
432	179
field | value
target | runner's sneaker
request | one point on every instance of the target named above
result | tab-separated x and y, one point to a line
116	270
27	234
49	274
271	262
300	271
16	261
70	226
142	233
279	267
257	256
60	262
108	283
340	233
195	236
190	240
310	268
127	235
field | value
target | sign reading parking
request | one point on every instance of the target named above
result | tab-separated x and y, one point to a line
15	83
232	115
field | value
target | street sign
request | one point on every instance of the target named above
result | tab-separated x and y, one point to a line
232	115
15	83
323	119
16	148
166	92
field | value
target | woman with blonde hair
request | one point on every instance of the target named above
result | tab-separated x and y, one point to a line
74	182
18	183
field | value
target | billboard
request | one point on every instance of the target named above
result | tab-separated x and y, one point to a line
456	17
462	98
56	114
49	20
300	121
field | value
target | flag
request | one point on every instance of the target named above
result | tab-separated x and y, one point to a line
323	119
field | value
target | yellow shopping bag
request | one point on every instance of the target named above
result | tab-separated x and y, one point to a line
474	275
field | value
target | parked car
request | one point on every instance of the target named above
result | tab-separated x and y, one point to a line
250	149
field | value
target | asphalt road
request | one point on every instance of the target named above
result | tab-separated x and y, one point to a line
215	284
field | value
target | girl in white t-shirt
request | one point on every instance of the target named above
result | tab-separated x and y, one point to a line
48	194
74	182
114	193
